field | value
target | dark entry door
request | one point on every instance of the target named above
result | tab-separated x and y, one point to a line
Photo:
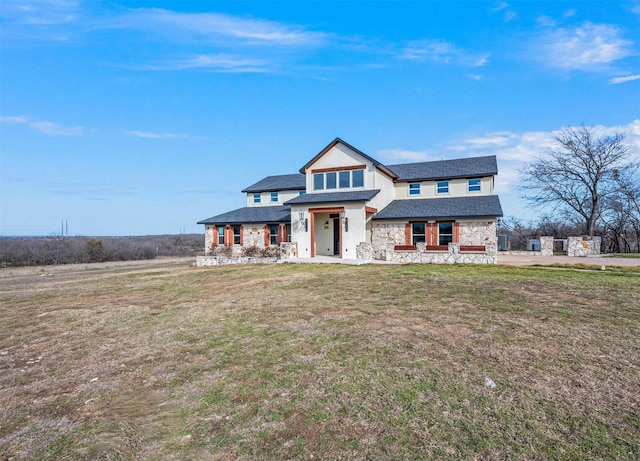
336	236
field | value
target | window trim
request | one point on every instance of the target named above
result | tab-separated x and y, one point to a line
257	198
274	195
414	188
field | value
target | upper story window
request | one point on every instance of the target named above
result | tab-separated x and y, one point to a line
474	185
414	188
357	178
442	187
257	198
331	180
343	179
318	181
274	196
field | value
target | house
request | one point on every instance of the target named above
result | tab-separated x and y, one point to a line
345	204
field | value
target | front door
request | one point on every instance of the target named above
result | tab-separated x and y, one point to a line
336	236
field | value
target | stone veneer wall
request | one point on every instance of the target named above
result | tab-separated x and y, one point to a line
471	233
583	246
477	232
384	234
208	238
452	256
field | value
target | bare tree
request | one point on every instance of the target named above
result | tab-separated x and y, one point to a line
578	176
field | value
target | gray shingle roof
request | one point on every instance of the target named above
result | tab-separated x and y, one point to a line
256	214
446	169
281	182
481	206
331	197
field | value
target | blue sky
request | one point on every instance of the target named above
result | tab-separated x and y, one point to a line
143	117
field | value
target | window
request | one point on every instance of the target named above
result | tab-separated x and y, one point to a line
345	179
331	180
220	239
445	233
357	178
236	235
418	233
318	181
274	196
288	232
257	198
273	234
414	188
474	185
443	187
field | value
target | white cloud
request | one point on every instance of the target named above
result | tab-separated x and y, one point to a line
546	21
405	155
219	62
500	6
630	78
40	12
152	135
429	50
588	47
510	16
215	27
441	52
45	127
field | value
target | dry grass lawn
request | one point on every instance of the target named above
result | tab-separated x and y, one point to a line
320	361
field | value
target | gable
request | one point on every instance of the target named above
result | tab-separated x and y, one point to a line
339	154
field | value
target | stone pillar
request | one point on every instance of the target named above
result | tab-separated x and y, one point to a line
546	246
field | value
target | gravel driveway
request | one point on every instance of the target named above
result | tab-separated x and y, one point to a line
510	260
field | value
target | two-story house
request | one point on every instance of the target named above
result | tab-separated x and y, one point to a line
344	203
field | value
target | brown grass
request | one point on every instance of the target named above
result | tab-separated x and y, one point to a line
330	362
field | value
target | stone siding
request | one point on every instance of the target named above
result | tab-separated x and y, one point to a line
384	234
477	232
208	238
583	246
364	251
452	256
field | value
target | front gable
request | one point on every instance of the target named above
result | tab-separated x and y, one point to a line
341	155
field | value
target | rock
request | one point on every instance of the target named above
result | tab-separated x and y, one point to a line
489	383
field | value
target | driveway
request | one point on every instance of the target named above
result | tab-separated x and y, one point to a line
510	260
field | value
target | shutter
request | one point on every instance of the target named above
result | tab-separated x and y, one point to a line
456	232
407	233
432	233
228	235
241	237
266	235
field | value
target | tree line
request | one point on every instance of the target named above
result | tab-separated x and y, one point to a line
52	250
590	184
